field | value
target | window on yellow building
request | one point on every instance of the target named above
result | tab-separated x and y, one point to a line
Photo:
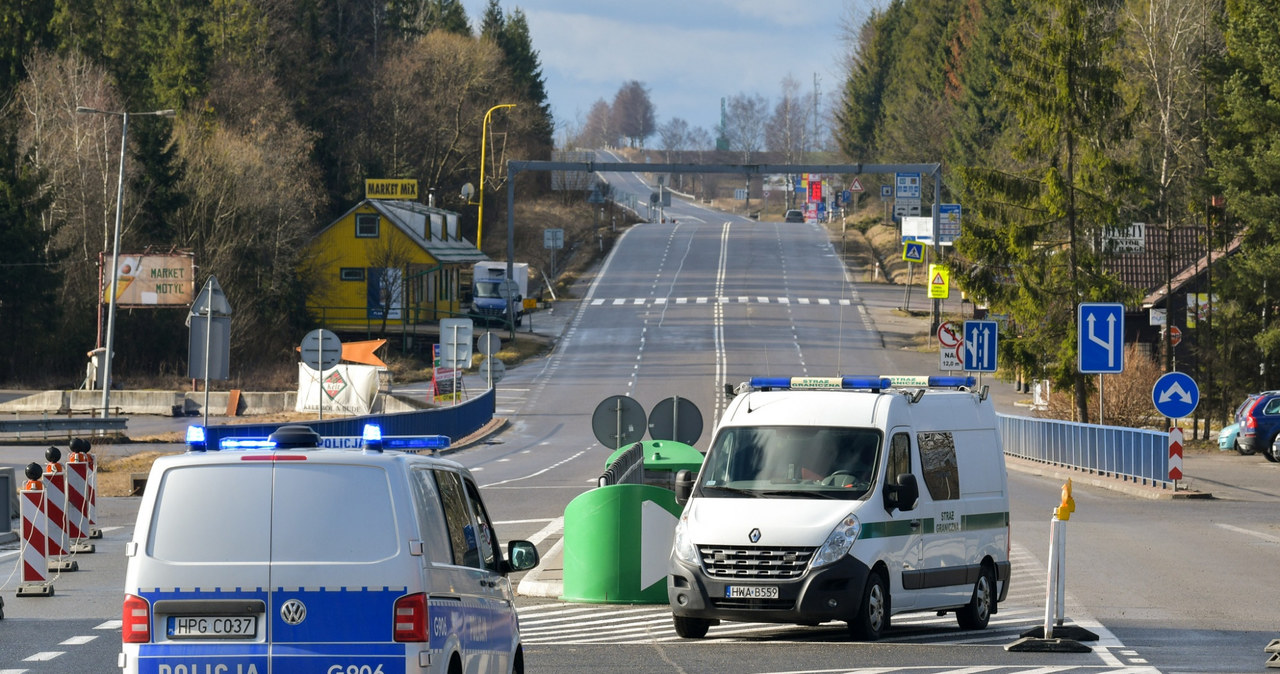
367	225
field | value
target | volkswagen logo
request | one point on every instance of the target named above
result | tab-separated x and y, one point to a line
754	535
293	612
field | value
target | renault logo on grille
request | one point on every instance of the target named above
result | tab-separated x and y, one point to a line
293	612
754	535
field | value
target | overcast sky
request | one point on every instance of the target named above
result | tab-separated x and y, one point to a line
689	53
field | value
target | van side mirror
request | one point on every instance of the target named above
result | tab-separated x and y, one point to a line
683	486
903	495
521	556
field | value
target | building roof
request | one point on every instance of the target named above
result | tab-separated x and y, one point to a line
432	229
1146	270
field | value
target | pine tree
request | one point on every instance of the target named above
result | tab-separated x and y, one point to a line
28	280
1030	229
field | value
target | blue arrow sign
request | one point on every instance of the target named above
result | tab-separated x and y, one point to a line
980	345
1175	395
1100	338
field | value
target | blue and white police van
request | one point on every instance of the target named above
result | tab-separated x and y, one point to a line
276	555
848	499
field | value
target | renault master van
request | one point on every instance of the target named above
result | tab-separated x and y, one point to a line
275	556
844	499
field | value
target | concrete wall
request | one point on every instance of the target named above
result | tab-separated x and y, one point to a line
189	402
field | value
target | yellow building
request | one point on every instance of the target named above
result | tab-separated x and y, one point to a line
388	259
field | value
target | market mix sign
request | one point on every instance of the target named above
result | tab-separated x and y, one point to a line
147	280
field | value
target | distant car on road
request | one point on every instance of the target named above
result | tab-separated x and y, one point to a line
794	215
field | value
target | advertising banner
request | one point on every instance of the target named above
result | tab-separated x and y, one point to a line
152	280
348	389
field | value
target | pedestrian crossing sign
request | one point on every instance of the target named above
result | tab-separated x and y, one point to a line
913	251
939	282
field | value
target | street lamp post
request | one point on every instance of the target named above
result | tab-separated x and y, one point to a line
115	248
484	130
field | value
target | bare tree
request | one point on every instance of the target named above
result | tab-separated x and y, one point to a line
744	128
633	114
598	131
79	157
675	138
254	199
389	257
787	131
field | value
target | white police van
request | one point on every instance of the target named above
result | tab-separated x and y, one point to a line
844	499
278	556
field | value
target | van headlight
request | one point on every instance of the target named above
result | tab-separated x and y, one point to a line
838	541
683	545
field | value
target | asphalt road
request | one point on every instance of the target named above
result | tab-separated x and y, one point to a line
1170	585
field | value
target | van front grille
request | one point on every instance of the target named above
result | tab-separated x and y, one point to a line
754	561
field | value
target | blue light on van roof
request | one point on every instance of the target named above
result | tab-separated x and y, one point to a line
196	439
372	438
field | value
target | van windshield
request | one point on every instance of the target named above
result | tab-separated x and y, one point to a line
792	462
488	288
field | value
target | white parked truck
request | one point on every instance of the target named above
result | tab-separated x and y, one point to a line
487	299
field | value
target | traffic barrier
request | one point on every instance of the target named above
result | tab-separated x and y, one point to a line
35	570
94	531
78	498
55	508
1054	636
616	543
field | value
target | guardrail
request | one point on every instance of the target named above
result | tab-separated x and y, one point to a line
1131	454
627	468
61	426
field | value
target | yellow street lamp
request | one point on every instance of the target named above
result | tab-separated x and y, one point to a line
484	132
115	248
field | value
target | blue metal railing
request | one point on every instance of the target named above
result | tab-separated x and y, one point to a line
1131	454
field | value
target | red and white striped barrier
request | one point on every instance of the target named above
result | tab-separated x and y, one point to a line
82	446
55	508
1175	454
35	570
78	502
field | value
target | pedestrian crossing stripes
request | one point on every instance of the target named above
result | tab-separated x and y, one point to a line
564	623
739	299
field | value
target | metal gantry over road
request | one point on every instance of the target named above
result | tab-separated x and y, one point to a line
515	166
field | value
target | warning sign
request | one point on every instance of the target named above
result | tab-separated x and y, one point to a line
856	185
939	282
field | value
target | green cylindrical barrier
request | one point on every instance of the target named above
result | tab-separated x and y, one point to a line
616	543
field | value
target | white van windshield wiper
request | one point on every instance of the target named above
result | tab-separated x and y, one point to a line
733	490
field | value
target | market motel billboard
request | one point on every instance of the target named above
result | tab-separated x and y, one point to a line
151	280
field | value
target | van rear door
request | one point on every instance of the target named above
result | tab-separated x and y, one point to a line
203	569
340	575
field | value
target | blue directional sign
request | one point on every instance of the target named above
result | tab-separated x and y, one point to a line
1100	338
1175	395
980	345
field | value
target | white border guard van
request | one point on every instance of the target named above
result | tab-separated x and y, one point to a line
848	499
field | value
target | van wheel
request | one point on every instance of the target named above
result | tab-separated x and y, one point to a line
517	665
873	612
455	664
691	628
977	613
